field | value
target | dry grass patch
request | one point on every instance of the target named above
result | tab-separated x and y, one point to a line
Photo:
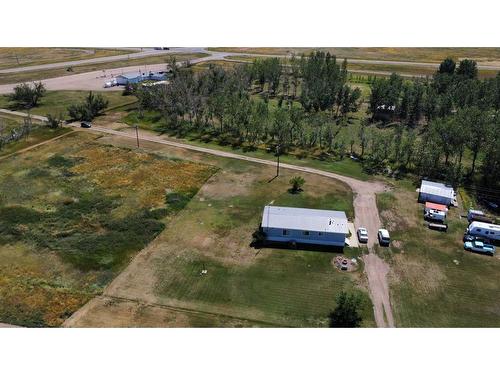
84	211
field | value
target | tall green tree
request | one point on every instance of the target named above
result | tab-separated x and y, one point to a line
92	106
28	96
347	312
467	69
447	66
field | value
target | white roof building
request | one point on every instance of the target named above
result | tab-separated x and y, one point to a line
305	219
435	192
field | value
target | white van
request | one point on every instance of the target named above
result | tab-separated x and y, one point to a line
485	230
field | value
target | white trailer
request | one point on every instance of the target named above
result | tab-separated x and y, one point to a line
485	230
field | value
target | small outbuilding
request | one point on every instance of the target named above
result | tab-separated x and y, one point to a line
137	77
435	192
303	225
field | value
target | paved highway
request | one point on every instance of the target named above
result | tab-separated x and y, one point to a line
135	54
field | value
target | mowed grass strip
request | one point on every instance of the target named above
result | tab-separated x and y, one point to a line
428	287
84	210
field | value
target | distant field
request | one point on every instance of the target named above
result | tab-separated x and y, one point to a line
59	72
428	288
483	55
222	63
83	212
56	102
377	69
13	57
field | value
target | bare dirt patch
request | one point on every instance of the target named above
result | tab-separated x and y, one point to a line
237	184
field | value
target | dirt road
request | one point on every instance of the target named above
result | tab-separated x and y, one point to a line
365	207
5	325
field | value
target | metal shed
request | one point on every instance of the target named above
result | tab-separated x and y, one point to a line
126	78
137	77
435	192
303	225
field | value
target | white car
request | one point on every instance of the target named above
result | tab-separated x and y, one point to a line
362	235
383	237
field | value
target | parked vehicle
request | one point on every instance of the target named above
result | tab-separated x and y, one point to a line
479	247
477	215
362	235
86	124
438	226
470	238
435	215
486	230
383	237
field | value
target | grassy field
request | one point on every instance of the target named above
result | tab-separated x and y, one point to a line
56	102
285	287
433	281
37	135
14	57
266	286
84	211
379	69
9	122
59	72
484	55
408	70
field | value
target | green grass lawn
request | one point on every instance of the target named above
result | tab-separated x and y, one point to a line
59	72
72	215
279	286
428	288
56	102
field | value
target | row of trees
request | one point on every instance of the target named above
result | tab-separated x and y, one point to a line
454	114
219	103
421	100
444	126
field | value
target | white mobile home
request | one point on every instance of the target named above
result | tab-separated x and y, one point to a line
435	192
302	225
485	230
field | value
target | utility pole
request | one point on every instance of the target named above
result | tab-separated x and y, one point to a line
278	164
137	134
